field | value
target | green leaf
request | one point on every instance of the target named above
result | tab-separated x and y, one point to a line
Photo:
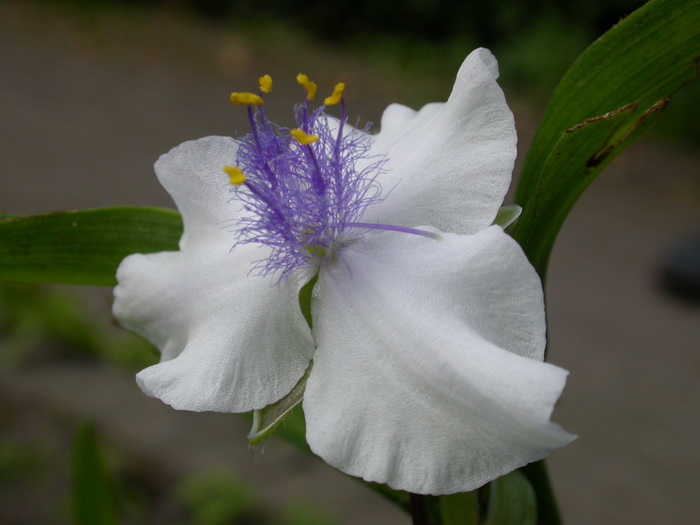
217	497
610	95
92	497
577	158
512	500
82	247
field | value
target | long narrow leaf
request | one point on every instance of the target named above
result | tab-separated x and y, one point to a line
82	247
612	93
574	162
512	500
92	497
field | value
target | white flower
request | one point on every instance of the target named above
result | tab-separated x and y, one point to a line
427	354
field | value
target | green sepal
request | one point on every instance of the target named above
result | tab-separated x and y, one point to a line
507	215
305	295
266	420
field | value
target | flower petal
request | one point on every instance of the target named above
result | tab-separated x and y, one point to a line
427	374
192	174
449	164
230	342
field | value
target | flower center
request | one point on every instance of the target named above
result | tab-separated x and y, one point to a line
304	189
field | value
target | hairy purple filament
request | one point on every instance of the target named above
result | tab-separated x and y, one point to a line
302	200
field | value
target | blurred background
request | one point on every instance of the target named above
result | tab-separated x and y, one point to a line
92	92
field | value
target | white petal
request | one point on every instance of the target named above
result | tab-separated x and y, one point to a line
230	342
192	174
395	119
423	377
449	164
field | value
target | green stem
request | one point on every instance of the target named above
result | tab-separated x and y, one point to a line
419	509
547	508
422	512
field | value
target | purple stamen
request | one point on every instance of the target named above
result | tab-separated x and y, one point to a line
387	227
302	200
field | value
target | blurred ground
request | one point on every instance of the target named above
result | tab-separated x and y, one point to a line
88	104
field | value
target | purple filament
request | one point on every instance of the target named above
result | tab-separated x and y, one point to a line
386	227
301	200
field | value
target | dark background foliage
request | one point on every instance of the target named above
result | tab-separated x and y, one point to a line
534	40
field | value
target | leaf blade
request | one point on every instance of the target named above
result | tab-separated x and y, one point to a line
92	497
512	500
639	64
82	247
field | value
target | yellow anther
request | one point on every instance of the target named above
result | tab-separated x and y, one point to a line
309	86
246	99
336	96
235	175
265	83
302	138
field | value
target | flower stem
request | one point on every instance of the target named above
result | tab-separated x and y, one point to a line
547	508
421	510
